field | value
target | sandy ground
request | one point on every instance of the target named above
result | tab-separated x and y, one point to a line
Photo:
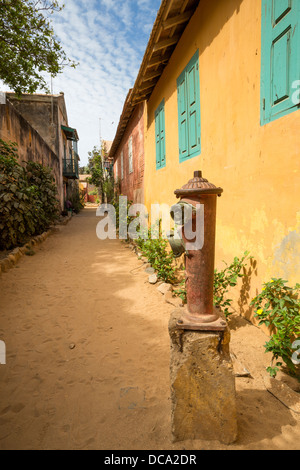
110	391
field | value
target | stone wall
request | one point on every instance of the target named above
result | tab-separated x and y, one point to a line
31	146
45	113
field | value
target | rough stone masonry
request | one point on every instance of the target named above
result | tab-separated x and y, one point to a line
202	385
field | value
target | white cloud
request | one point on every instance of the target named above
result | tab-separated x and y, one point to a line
108	38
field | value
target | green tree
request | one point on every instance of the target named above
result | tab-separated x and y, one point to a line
44	192
96	170
83	170
28	45
16	202
28	198
100	177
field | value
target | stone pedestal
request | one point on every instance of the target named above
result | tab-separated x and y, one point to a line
202	385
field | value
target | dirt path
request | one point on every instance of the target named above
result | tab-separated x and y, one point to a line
110	391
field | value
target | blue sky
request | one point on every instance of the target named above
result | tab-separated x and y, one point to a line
108	38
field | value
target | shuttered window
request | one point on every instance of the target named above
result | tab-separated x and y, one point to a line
280	62
130	157
122	165
189	122
160	136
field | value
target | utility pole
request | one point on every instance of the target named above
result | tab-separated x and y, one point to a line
101	144
102	163
100	132
52	104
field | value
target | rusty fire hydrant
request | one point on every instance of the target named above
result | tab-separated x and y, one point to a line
200	312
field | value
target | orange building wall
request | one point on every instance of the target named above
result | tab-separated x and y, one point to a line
257	166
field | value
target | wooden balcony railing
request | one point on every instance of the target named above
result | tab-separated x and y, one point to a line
70	168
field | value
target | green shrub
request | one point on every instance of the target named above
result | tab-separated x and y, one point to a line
44	192
181	292
108	189
16	201
77	200
224	280
155	250
227	278
159	257
28	203
93	193
129	218
278	307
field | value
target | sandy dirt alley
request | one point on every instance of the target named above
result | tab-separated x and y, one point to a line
111	391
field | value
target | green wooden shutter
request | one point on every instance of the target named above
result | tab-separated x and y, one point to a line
122	165
193	107
157	139
280	66
160	136
182	117
189	123
130	155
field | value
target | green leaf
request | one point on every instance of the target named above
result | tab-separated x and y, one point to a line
30	47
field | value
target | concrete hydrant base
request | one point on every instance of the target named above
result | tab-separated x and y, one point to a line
202	385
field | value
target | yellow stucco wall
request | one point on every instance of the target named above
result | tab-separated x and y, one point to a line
258	167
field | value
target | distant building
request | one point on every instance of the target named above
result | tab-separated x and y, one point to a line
106	146
38	123
88	190
107	160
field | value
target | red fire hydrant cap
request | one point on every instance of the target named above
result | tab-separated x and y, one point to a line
197	186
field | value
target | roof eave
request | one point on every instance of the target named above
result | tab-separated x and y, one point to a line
171	21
